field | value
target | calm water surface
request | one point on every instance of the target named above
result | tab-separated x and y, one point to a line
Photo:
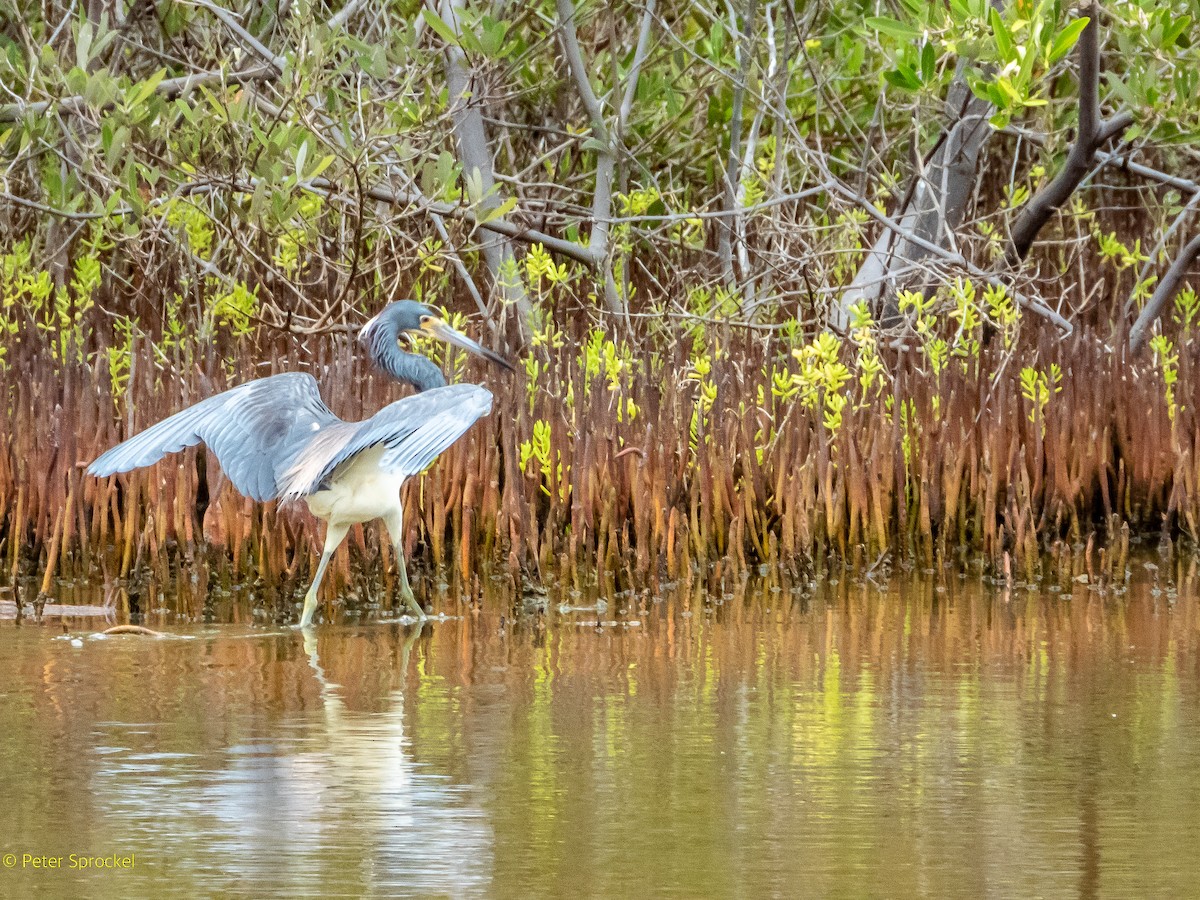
930	736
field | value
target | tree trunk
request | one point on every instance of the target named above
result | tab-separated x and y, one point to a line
474	153
934	207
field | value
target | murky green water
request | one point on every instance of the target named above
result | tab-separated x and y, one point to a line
932	738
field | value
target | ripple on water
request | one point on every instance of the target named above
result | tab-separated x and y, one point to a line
936	737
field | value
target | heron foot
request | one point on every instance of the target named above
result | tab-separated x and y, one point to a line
310	610
411	604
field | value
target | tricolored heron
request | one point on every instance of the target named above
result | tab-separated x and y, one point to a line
277	440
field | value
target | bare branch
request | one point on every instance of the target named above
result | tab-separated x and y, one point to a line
1092	133
51	210
936	201
474	150
465	276
1163	294
605	157
1089	80
583	84
734	158
243	35
1152	258
635	68
957	259
1116	160
338	19
168	87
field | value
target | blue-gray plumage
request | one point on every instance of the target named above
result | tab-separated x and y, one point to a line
277	440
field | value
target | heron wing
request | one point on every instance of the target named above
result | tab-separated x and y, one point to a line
255	429
413	432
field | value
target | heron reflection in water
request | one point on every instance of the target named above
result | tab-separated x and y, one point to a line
277	440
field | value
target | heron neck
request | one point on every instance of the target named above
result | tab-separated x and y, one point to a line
410	368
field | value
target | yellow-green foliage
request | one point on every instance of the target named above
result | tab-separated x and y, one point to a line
183	215
1037	387
540	269
120	356
822	377
756	182
871	373
1115	252
508	278
910	428
236	309
921	312
546	338
1167	358
1187	310
846	233
705	304
699	372
538	447
966	342
1004	313
17	285
28	292
299	232
601	357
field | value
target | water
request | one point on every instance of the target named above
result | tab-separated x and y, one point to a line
932	736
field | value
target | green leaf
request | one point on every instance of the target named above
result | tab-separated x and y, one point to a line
903	77
494	33
502	210
133	196
83	45
1004	38
116	147
1172	32
184	108
77	80
716	40
139	93
321	166
892	28
446	173
469	40
301	155
928	63
1025	75
434	21
1011	95
1067	38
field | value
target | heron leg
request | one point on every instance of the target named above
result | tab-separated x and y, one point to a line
334	535
395	527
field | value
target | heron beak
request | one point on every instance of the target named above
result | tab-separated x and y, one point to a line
443	332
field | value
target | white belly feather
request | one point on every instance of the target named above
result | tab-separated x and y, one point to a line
358	491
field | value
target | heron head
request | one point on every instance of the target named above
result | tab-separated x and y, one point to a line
382	334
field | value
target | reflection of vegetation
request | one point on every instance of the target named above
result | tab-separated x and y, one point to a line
898	738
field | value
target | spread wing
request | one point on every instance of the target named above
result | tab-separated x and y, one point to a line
255	429
413	432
